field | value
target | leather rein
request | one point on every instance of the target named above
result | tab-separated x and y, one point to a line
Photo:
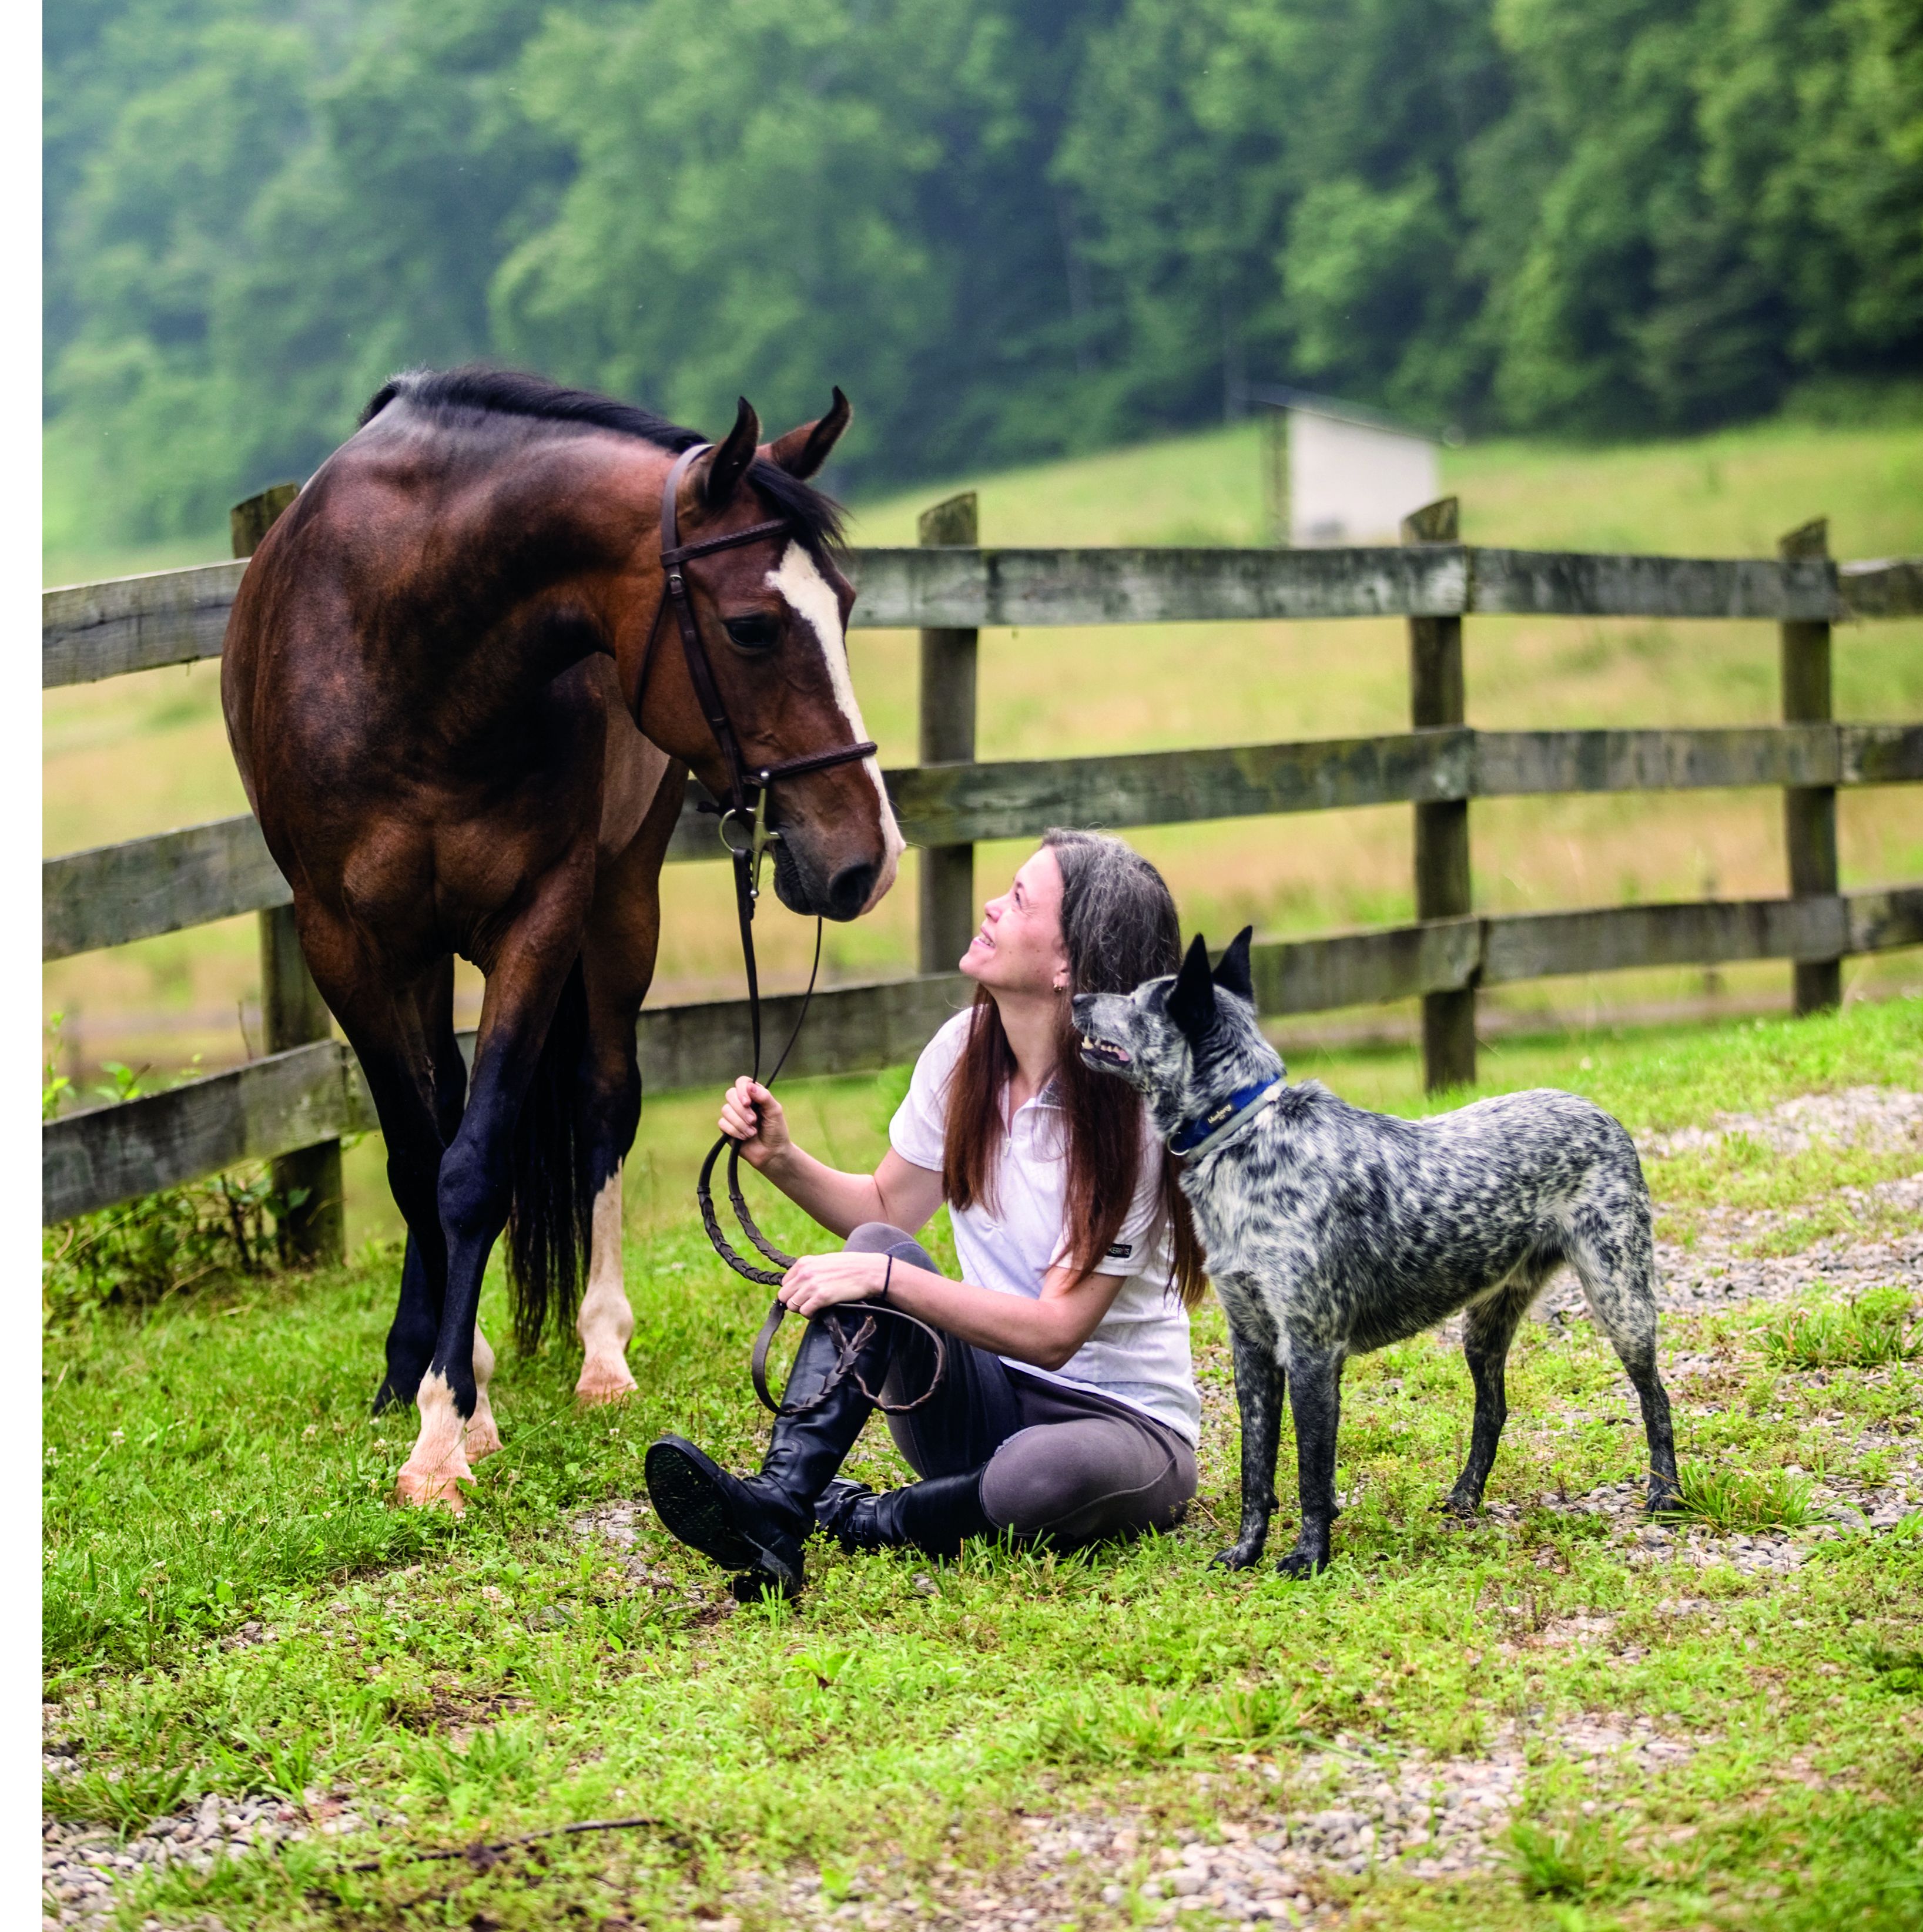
751	814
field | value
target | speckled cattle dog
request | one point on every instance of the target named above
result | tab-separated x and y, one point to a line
1331	1231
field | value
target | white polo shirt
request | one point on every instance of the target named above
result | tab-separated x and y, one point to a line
1139	1355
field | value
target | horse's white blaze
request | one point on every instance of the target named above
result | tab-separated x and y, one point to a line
483	1432
605	1321
809	594
439	1463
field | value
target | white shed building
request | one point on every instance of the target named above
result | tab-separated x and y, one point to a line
1338	473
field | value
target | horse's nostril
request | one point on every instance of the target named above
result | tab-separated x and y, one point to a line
848	889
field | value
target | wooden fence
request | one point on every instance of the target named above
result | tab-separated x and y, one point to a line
294	1104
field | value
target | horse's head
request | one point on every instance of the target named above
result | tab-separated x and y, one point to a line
772	617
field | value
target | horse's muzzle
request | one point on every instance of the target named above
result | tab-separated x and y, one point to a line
849	890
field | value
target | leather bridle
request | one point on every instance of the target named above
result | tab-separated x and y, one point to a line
743	778
759	780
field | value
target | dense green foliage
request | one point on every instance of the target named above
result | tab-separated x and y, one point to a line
1009	228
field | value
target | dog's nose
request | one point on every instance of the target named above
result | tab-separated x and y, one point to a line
1079	1006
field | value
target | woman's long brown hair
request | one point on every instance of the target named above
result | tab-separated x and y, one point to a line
1119	927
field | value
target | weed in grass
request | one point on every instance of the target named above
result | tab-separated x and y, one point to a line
1733	1499
499	1761
129	1798
284	1763
1580	1858
1898	1670
1864	1333
1136	1728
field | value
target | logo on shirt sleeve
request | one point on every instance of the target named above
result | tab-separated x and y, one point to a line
1121	1251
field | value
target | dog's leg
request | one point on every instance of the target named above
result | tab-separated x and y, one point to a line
1613	1254
1258	1395
1315	1395
1487	1329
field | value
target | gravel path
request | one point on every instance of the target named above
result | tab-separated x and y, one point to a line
1719	1263
1349	1814
82	1864
1880	1117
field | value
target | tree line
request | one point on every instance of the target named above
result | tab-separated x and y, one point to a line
1009	228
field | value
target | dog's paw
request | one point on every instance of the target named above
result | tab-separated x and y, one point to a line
1237	1556
1664	1498
1459	1508
1299	1564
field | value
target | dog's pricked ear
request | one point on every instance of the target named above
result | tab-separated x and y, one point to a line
729	463
1191	1000
1232	975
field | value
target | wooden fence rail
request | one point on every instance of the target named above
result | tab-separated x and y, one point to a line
300	1101
92	630
114	894
286	1102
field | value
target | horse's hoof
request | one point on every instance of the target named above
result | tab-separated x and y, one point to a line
604	1382
483	1438
434	1489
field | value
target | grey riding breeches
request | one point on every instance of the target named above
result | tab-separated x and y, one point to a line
1063	1461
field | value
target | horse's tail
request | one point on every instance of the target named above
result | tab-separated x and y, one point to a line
549	1225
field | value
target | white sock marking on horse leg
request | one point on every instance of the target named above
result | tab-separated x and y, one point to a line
483	1432
606	1320
438	1466
809	594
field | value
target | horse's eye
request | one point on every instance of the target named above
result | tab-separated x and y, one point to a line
754	634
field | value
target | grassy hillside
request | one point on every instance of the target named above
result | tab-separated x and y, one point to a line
1730	494
140	754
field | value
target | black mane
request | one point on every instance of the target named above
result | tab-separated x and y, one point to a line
513	392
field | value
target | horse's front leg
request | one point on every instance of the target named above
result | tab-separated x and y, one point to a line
477	1184
617	961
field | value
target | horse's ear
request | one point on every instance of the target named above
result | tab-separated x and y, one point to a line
802	451
729	463
1191	1000
1232	975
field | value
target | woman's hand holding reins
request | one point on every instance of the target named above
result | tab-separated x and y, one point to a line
751	1114
818	1282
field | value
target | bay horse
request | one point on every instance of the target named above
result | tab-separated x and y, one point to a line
464	728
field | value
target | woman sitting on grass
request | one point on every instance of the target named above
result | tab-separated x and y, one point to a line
1069	1408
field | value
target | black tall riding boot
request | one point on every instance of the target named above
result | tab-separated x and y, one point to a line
935	1517
757	1524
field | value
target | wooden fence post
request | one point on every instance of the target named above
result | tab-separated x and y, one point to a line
1442	829
292	1011
947	909
1809	811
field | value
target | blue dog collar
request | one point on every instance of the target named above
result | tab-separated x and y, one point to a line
1194	1139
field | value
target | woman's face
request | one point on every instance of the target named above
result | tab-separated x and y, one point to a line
1019	949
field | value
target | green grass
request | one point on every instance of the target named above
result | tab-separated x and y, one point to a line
231	1605
1863	1334
1734	1499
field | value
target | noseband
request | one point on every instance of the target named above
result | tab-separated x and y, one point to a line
759	780
743	779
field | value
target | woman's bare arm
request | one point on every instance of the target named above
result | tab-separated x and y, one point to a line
897	1191
1046	1332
